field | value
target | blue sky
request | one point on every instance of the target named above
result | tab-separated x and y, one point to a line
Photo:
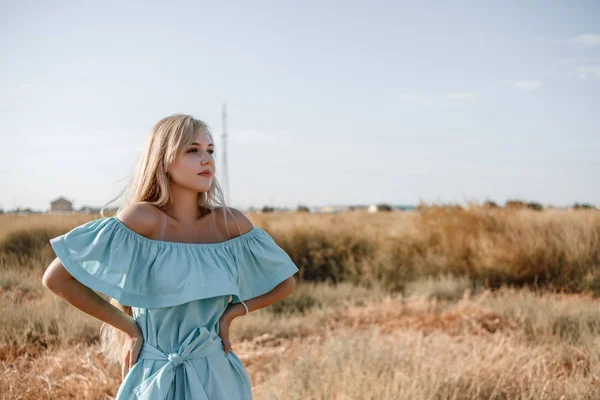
329	102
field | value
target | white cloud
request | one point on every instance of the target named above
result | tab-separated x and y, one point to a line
586	40
593	71
462	97
525	85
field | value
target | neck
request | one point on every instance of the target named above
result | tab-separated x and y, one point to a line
183	205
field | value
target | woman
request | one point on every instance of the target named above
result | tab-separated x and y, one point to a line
170	261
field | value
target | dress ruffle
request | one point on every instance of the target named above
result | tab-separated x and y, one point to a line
109	257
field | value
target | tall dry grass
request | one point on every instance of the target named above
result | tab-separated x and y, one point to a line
555	249
24	239
378	345
411	313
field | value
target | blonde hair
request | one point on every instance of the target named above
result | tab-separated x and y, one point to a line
150	184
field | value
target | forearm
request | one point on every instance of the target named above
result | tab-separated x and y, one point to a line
278	293
88	301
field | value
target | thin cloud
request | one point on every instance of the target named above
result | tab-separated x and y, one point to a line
586	40
525	85
431	100
592	71
462	97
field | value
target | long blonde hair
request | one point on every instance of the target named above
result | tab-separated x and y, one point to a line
150	183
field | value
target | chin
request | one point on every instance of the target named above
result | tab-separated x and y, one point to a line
197	187
203	188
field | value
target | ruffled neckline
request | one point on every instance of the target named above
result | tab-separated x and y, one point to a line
108	256
128	231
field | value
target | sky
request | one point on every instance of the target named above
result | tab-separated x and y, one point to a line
329	102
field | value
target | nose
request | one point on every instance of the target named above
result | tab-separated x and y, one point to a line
205	159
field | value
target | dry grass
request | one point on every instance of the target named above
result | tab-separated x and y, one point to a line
382	346
556	249
412	365
436	304
24	239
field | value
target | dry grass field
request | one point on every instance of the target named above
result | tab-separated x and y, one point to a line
442	303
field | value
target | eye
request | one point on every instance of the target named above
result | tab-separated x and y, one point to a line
195	150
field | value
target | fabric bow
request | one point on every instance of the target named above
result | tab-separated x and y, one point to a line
157	385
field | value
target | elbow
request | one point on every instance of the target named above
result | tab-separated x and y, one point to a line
55	276
47	280
53	282
291	285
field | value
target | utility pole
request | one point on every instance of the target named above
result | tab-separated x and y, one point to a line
225	174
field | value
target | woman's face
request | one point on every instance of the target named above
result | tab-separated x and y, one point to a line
186	170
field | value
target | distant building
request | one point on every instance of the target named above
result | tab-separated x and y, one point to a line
89	209
334	209
61	205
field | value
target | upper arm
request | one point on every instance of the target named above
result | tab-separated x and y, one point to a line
142	218
243	225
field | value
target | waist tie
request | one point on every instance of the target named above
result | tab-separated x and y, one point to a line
157	385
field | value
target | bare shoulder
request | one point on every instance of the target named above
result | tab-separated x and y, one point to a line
236	223
142	218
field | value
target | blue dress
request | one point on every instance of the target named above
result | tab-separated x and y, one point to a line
177	292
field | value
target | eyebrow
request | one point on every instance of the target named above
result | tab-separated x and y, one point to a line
198	144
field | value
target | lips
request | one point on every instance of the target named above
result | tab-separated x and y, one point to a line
205	173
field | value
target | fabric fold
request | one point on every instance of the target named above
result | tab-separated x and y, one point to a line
157	385
109	257
261	264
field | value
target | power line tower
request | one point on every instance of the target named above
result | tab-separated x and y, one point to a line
225	174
